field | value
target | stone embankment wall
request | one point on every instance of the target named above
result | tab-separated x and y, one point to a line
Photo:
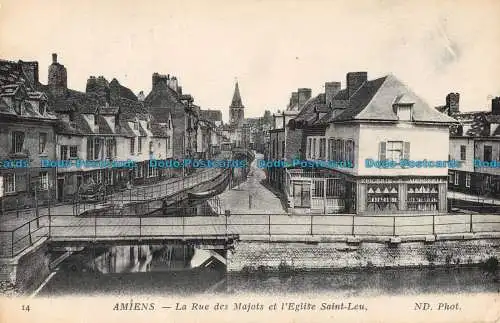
22	274
282	255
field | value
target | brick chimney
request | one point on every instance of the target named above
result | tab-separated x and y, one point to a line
495	106
452	103
331	89
57	77
303	95
354	81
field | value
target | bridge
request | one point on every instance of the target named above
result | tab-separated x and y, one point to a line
222	230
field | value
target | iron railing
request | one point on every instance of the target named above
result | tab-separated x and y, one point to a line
67	228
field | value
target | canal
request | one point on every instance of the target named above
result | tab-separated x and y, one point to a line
186	270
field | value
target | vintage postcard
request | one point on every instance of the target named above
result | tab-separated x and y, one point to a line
249	161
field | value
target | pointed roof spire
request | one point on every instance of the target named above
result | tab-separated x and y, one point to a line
236	102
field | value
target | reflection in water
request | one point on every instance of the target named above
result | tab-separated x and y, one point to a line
185	270
142	269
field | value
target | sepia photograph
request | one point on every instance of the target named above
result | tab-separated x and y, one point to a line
240	161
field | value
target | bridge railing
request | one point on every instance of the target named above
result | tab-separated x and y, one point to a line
150	192
110	228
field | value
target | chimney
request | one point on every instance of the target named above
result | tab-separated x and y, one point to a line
331	89
303	95
57	77
354	81
495	106
294	99
452	103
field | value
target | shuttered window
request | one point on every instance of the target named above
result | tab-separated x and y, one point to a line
394	150
382	151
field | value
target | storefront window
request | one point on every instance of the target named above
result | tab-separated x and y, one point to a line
423	197
382	197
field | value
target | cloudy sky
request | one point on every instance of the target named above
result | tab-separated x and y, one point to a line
272	47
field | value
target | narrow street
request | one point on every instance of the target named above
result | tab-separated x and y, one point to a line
252	196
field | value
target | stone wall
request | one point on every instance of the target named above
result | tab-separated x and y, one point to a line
264	255
28	272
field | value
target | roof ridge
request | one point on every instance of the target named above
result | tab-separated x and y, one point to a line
374	95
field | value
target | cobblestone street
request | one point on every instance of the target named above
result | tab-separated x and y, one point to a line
251	196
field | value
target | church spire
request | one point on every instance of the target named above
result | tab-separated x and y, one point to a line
236	102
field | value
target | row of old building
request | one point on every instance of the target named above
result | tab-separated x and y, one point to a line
107	122
379	119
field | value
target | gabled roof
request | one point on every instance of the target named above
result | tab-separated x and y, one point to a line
213	115
375	99
12	72
122	91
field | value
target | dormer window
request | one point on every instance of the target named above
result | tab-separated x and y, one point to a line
403	107
404	112
42	107
18	107
136	125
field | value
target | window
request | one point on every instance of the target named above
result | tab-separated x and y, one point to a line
64	152
18	107
322	147
42	142
350	150
90	148
342	149
97	148
338	154
168	142
44	181
139	145
451	176
395	150
467	180
73	151
314	148
463	151
10	183
457	177
151	147
487	153
41	107
17	141
136	125
110	148
283	149
309	147
132	146
404	112
331	143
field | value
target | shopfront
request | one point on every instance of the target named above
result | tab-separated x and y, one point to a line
402	195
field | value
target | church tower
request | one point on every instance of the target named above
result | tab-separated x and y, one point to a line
236	109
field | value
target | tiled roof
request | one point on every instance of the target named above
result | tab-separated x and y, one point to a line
159	130
213	115
375	99
122	91
125	129
12	72
307	114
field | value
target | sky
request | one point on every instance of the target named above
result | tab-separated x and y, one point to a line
271	47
